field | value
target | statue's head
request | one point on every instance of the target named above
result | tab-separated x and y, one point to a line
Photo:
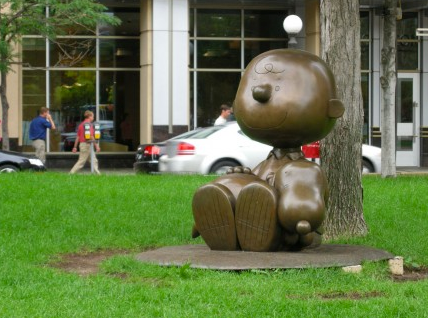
287	98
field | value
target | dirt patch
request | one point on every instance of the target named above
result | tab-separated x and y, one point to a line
412	274
351	295
85	263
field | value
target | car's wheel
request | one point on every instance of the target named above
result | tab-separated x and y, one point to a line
8	169
222	166
367	166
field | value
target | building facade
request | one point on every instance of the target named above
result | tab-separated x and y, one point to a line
170	65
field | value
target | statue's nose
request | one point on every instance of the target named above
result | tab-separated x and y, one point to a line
262	93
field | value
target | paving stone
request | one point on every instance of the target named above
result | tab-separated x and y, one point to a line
326	255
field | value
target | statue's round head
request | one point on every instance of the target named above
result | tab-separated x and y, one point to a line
287	98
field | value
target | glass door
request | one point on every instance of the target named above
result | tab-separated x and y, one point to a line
407	119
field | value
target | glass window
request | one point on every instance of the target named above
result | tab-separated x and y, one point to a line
364	25
219	54
407	25
119	53
33	98
218	23
407	55
130	25
264	24
120	109
407	44
71	52
34	52
214	89
365	56
365	95
72	93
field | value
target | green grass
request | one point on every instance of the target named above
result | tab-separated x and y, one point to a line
45	215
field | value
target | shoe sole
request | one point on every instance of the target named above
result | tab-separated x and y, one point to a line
214	218
256	218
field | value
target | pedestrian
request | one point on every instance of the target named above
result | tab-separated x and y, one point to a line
225	112
85	145
37	132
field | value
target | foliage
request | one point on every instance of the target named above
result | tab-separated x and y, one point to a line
44	216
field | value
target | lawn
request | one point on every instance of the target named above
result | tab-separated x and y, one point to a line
45	216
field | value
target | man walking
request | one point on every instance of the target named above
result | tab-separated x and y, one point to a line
85	145
37	132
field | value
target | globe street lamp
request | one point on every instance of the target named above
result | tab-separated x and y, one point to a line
292	25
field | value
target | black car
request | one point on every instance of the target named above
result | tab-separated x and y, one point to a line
147	155
11	161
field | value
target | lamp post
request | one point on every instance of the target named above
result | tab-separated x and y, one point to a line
292	25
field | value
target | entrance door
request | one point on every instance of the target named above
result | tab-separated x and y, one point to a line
408	120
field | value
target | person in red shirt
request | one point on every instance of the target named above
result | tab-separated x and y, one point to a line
85	145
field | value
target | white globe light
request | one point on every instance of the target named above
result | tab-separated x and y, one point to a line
292	24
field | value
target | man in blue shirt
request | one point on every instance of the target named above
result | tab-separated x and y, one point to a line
37	132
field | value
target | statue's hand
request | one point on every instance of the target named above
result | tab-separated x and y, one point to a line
239	169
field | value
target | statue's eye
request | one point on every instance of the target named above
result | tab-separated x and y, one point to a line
277	88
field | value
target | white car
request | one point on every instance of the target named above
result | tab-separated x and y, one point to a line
215	149
371	159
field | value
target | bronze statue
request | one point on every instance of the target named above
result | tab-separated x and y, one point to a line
286	98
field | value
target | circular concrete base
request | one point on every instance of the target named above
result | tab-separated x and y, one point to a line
200	256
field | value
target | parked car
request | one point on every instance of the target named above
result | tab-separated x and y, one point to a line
371	159
147	155
11	161
215	149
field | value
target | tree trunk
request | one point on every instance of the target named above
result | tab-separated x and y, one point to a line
388	82
5	111
341	149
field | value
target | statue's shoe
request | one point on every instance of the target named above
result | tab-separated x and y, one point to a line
256	218
213	206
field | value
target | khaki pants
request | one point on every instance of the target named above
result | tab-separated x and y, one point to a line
39	146
85	155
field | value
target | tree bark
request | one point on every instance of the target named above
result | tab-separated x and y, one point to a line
388	82
341	150
5	111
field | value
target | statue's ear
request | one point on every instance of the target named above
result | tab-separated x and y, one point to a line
335	108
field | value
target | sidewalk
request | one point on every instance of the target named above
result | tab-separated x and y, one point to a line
130	171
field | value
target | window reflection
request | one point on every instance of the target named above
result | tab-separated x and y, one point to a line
365	95
364	25
72	93
407	44
34	52
219	54
33	98
119	53
72	88
214	89
264	24
130	25
71	52
365	56
407	55
218	23
119	100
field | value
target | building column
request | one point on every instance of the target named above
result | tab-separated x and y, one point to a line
146	71
170	68
313	27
